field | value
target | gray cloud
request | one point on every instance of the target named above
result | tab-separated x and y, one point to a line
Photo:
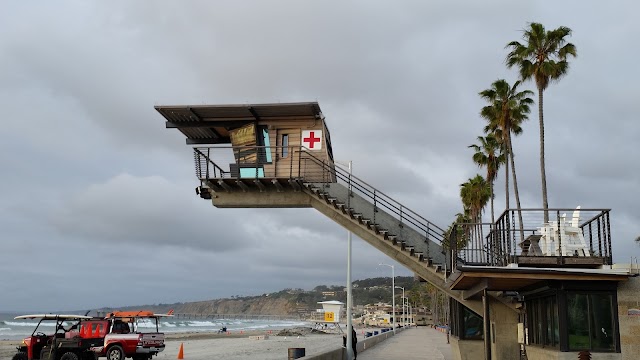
90	178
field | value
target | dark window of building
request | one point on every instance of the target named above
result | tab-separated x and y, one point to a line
285	145
543	321
465	324
264	143
574	320
590	324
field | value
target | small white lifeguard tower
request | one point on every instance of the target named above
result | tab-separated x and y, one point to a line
332	310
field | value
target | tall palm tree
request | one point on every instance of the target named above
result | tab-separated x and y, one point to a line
475	194
543	58
508	108
488	154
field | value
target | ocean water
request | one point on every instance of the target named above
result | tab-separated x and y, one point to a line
11	329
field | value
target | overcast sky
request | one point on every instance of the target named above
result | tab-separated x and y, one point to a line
97	202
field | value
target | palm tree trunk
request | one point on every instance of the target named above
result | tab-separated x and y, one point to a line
515	190
506	181
545	203
493	219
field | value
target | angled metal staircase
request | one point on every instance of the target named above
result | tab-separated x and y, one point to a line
373	216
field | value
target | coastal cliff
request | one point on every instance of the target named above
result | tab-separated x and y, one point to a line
291	302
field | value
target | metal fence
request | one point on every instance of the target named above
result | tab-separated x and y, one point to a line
575	233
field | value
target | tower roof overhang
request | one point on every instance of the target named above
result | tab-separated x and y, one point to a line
210	124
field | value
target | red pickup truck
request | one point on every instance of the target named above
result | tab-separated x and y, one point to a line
125	338
117	336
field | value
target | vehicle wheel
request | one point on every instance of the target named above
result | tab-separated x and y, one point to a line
115	353
20	356
46	353
69	355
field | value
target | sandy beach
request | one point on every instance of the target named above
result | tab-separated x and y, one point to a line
234	345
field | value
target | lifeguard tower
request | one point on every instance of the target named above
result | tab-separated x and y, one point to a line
540	288
256	148
331	311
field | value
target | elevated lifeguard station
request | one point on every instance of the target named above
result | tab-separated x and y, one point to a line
259	148
512	274
331	311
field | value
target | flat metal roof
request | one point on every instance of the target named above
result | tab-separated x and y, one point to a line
210	124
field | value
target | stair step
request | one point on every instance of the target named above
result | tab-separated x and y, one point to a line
395	241
315	190
366	222
339	206
416	253
384	233
355	215
388	236
391	237
331	200
421	257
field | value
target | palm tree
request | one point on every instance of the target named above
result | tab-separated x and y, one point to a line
543	58
475	194
489	154
460	224
638	240
508	108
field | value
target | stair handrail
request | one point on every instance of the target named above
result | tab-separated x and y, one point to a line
406	214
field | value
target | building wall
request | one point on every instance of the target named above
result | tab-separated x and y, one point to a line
466	349
628	301
504	331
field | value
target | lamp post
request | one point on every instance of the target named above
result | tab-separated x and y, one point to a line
403	298
349	296
393	296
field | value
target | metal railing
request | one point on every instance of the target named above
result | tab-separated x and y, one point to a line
381	201
584	233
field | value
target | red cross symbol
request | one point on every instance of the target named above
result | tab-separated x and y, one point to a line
311	140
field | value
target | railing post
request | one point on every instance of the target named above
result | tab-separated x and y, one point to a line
375	205
608	237
599	239
559	233
257	160
508	247
299	161
291	162
428	246
209	157
591	239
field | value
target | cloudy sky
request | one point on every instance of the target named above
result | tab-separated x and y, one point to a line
97	206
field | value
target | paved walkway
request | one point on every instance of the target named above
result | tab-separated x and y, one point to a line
422	343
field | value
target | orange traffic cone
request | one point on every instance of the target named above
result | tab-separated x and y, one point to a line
181	352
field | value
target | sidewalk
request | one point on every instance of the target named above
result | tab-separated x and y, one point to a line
422	343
